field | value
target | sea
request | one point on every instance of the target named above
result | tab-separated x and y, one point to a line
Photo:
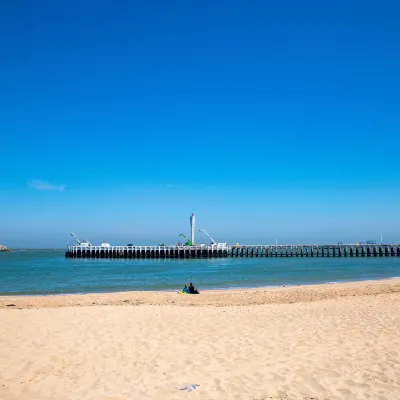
44	272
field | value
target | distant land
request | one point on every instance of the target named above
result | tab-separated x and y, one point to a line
4	248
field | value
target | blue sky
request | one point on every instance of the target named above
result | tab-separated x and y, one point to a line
267	119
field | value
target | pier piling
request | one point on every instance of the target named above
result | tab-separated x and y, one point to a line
210	251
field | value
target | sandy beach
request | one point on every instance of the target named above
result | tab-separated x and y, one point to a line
322	342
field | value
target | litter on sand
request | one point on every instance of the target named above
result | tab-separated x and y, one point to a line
189	388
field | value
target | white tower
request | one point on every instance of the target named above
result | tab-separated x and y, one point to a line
192	227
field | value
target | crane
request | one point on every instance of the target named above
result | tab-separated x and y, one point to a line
212	240
76	237
188	242
84	242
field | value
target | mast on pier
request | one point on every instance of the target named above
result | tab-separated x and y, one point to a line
192	227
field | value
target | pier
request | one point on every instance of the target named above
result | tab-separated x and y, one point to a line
210	251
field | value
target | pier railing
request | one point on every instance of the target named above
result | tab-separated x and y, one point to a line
205	251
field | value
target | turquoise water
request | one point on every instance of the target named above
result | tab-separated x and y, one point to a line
48	271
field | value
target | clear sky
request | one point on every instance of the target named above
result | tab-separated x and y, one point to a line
118	119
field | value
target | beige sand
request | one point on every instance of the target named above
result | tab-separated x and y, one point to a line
322	342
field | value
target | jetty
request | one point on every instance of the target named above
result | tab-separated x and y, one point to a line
4	248
212	251
85	249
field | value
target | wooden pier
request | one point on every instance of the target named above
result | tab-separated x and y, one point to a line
188	252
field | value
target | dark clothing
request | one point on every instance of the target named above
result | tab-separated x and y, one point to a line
192	290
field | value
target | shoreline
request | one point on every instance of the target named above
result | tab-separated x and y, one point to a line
202	290
211	297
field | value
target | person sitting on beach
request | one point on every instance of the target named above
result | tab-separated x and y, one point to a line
192	289
185	290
